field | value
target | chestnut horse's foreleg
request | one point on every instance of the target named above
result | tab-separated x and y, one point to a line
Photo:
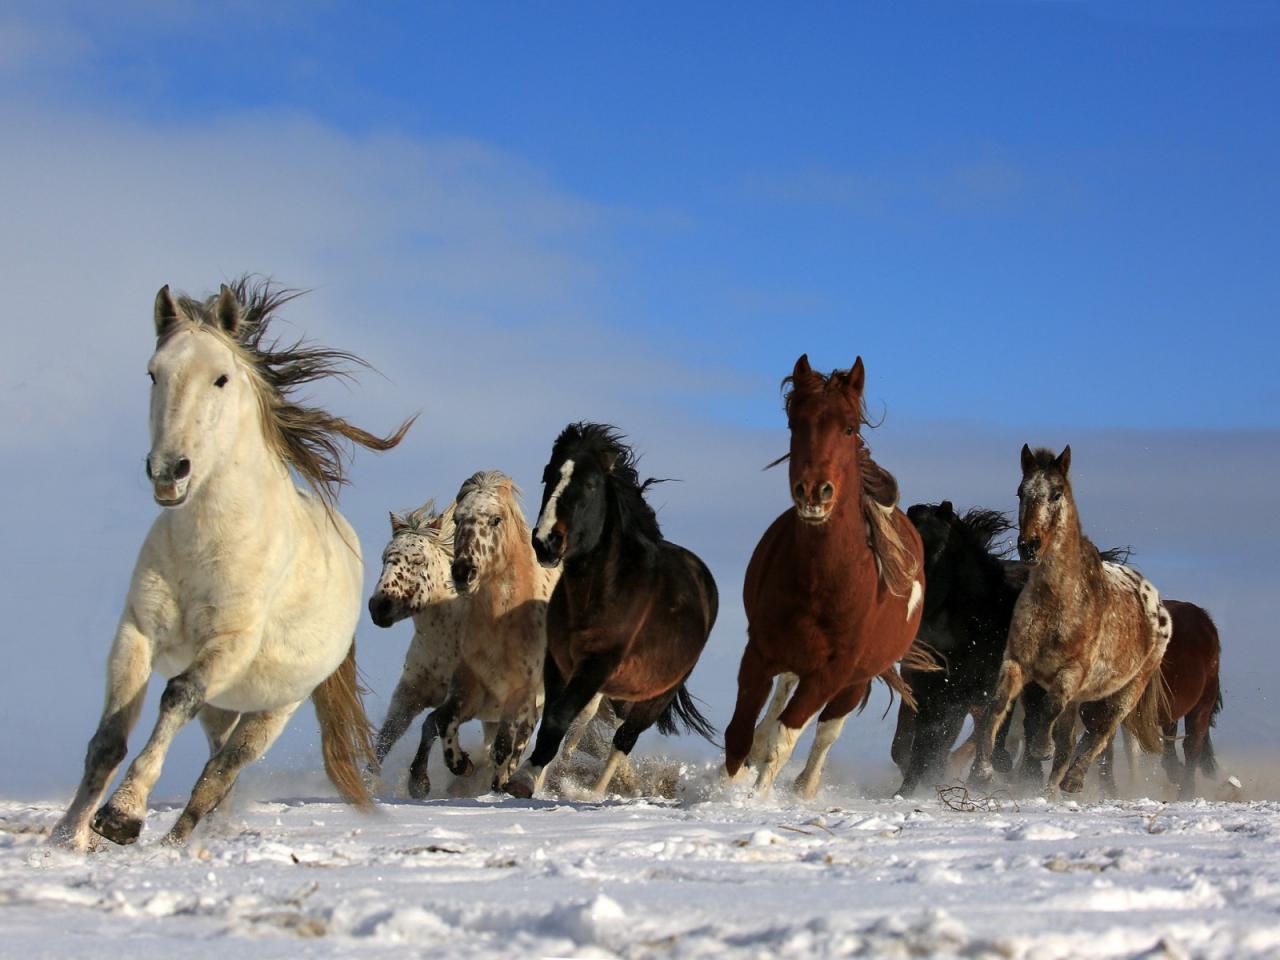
1012	679
1064	741
754	682
830	723
784	687
812	694
560	710
1034	717
128	670
1197	748
251	738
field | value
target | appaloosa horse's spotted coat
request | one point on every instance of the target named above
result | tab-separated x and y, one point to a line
1090	632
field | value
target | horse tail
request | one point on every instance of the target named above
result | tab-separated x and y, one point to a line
1143	720
683	711
346	735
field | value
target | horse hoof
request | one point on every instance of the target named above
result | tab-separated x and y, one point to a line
981	773
116	826
519	786
459	765
1040	748
1002	761
419	788
1073	782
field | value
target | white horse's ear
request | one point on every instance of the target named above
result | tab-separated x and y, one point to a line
398	523
228	311
166	312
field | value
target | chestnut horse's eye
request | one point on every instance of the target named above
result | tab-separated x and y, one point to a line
221	381
848	431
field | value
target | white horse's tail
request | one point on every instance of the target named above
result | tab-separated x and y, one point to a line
346	736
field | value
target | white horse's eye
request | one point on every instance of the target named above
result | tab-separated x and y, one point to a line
221	381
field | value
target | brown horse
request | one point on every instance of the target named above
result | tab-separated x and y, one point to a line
833	591
1090	632
1190	674
631	613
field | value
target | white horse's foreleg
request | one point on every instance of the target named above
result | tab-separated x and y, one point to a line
128	670
811	775
252	736
506	756
782	691
779	747
218	725
215	667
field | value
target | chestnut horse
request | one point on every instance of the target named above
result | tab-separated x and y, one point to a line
834	589
631	613
1090	632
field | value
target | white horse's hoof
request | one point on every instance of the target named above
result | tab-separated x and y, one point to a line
522	784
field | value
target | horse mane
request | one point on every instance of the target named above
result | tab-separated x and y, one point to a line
306	437
607	445
436	527
501	487
879	495
984	525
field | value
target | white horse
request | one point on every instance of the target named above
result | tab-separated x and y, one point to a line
416	582
247	589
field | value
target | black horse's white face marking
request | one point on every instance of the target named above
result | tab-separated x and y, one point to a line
548	541
573	509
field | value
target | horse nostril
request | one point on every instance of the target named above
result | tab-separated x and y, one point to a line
146	465
826	492
181	469
799	491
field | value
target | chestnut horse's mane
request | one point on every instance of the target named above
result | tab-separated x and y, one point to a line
897	566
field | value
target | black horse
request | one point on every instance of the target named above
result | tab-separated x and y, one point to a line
968	604
631	613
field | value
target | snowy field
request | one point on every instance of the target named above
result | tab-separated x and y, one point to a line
706	873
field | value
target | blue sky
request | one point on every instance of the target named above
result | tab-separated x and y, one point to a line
1038	221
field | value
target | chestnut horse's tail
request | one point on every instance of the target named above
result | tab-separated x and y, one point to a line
1143	720
346	736
683	711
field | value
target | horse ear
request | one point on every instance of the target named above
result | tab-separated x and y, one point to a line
609	460
1064	459
166	312
946	510
398	523
857	378
228	311
436	522
802	368
1028	461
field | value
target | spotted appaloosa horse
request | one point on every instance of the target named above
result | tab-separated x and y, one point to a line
416	582
834	589
247	590
631	613
1091	633
499	675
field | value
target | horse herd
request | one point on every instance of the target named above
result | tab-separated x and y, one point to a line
246	594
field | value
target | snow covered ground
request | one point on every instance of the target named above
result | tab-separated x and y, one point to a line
707	873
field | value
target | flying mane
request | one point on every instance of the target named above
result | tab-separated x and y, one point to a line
315	443
605	444
879	499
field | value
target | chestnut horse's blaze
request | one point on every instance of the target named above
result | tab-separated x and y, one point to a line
833	589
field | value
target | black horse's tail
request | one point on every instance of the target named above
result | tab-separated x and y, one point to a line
683	711
1209	762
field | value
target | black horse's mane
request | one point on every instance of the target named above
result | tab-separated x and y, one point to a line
605	444
984	525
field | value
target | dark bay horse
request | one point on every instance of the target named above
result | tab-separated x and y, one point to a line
631	613
834	591
1190	674
1090	632
968	604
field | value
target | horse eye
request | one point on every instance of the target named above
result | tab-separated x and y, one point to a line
495	521
1055	496
221	381
848	431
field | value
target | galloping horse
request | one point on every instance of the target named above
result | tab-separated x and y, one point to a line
631	613
416	582
1090	632
1189	671
247	590
834	589
499	675
967	608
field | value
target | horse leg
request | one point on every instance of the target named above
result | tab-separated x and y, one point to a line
466	695
218	725
251	738
1063	728
1107	770
513	737
407	701
419	779
754	682
642	715
579	727
1101	720
811	695
1169	752
1000	757
1195	745
1012	679
560	710
784	687
1030	771
903	737
128	670
937	726
830	723
219	662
